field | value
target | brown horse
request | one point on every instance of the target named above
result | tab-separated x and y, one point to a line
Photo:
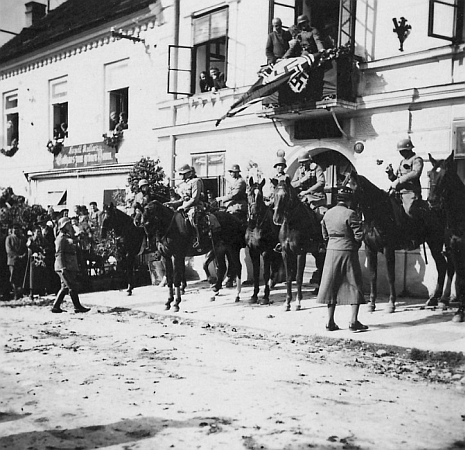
447	192
175	244
384	234
299	234
261	237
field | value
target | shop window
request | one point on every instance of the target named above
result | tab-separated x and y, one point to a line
211	168
59	108
11	119
209	50
446	20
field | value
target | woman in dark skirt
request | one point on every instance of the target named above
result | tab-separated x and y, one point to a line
341	281
36	276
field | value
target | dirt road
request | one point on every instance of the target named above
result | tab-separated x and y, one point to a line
123	379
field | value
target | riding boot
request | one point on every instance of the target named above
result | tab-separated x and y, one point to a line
197	237
77	304
60	297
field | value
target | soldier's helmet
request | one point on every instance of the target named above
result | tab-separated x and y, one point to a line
63	221
302	18
143	182
280	161
405	144
234	168
185	169
304	156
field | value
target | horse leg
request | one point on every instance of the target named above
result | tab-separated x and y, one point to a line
255	257
319	262
372	257
238	271
441	267
220	270
289	266
169	282
459	263
206	269
450	272
179	276
266	276
391	272
301	259
130	274
231	271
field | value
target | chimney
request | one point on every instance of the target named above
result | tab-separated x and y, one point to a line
34	12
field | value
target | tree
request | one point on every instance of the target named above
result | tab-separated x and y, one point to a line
150	170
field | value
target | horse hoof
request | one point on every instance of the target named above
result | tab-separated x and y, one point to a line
391	307
237	299
167	307
129	293
458	317
176	308
265	301
253	301
298	307
229	284
371	306
287	308
212	298
432	302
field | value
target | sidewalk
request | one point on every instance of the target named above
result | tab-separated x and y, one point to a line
411	326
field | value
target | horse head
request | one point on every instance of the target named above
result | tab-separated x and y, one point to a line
440	179
107	219
255	200
156	217
285	200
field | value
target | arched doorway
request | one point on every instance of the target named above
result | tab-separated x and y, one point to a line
335	165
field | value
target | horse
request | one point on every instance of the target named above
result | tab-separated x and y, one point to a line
299	233
384	234
174	242
261	237
447	192
132	239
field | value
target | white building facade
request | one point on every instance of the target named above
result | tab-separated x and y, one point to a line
383	94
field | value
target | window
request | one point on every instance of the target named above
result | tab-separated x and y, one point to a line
11	119
117	88
210	42
59	107
458	147
316	129
446	20
115	196
57	199
286	10
210	167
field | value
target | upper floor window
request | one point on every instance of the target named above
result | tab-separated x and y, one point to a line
11	119
116	86
446	20
286	10
59	107
202	67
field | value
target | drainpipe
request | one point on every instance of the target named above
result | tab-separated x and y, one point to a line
175	96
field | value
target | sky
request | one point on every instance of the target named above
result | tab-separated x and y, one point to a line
13	16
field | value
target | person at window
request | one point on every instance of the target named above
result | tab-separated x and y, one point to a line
217	78
278	42
122	122
205	82
16	252
235	199
67	267
295	48
309	37
190	192
341	282
113	120
309	180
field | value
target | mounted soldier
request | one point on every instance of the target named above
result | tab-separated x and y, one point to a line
309	180
141	199
235	199
406	183
190	191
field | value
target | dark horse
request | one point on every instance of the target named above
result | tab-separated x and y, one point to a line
447	192
132	239
299	234
261	238
384	234
175	244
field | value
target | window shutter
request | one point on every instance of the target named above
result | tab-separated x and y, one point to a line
443	18
180	70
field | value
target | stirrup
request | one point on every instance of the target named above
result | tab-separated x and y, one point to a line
195	244
278	248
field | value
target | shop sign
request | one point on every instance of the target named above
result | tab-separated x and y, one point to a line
84	155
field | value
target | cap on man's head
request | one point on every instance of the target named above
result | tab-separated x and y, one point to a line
302	18
143	182
63	221
344	193
234	168
185	169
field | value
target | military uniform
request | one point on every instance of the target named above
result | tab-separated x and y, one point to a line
236	197
310	183
191	193
407	181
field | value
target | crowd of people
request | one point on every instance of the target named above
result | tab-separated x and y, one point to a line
28	258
